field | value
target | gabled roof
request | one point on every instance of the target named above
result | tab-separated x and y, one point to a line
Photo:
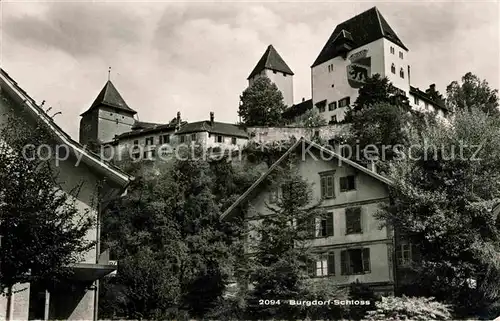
362	29
425	97
92	160
216	128
336	156
271	60
110	97
298	109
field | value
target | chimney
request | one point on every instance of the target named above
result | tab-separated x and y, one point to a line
178	125
211	118
371	166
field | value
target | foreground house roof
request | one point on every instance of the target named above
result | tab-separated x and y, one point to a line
360	30
248	193
92	160
109	96
271	60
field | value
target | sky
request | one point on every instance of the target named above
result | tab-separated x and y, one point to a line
194	57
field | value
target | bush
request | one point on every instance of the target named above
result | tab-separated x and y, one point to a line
406	308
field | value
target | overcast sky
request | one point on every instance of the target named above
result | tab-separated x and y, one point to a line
195	57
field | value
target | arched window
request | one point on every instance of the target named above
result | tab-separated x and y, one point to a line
401	73
393	69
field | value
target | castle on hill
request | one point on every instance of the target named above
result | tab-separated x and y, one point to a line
359	47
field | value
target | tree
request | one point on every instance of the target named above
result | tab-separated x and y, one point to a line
376	90
42	230
280	255
172	214
472	93
310	119
261	104
405	308
442	200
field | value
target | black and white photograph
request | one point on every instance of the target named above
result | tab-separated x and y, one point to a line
272	160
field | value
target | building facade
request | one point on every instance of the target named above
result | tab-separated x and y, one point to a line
349	242
76	298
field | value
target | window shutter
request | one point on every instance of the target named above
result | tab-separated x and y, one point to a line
323	187
331	263
329	185
329	224
366	260
311	268
344	263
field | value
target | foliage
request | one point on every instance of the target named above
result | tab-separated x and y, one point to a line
261	104
175	254
407	308
309	119
472	93
42	230
443	195
361	291
376	90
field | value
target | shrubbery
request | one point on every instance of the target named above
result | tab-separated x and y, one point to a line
406	308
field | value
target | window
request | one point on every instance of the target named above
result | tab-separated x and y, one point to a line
347	183
165	139
333	119
392	50
327	185
426	105
284	75
330	67
153	153
193	137
149	141
344	102
352	220
332	106
403	254
393	69
401	54
219	139
355	261
233	140
274	71
136	142
145	155
324	265
321	106
274	195
136	155
416	100
402	73
323	226
182	138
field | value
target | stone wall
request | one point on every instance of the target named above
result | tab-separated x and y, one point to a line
270	134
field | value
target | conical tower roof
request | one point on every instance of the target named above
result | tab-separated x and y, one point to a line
271	60
110	97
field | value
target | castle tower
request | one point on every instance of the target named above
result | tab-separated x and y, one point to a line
358	48
109	115
275	68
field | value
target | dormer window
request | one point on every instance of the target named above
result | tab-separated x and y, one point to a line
402	73
393	69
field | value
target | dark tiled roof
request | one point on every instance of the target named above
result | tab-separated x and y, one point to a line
424	96
109	96
216	128
271	60
360	30
144	125
298	109
149	130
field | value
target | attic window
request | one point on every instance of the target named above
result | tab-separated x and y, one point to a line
393	69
